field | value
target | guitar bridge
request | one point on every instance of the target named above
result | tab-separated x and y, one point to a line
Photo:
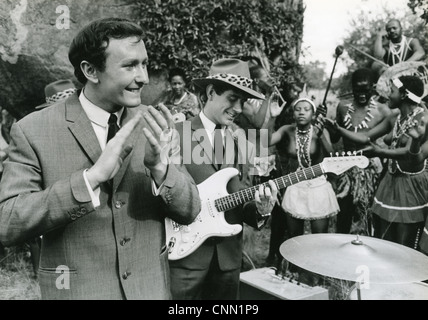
176	226
171	244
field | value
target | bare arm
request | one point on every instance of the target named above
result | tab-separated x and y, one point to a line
419	52
326	142
364	137
278	135
260	116
334	135
379	50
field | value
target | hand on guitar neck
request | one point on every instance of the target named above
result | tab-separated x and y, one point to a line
182	240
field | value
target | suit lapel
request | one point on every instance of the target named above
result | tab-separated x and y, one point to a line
202	139
81	127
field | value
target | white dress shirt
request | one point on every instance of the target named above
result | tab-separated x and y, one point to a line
210	127
99	120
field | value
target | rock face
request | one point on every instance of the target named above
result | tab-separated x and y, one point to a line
34	39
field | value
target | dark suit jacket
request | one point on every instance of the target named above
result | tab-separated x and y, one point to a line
115	251
229	249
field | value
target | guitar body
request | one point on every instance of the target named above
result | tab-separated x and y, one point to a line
185	239
182	240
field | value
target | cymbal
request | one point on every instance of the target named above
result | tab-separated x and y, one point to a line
356	258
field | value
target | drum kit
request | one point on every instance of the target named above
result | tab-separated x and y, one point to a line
370	263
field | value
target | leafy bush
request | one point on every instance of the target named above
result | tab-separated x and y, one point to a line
191	34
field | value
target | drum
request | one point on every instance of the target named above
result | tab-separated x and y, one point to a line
406	68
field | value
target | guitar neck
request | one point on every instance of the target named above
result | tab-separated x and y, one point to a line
235	199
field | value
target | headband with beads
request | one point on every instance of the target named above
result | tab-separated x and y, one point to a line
397	82
304	99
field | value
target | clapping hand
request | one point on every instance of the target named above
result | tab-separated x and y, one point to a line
112	157
162	141
275	108
418	129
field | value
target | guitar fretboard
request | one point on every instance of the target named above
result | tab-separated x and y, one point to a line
235	199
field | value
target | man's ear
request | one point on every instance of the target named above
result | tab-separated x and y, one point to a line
210	92
89	71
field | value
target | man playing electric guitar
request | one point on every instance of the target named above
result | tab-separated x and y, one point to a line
212	270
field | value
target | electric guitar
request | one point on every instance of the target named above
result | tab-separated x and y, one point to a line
182	240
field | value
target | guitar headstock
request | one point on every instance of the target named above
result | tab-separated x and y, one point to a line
344	162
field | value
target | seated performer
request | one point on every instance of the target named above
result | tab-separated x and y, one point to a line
392	47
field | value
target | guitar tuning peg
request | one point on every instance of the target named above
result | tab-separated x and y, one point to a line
331	154
337	154
343	153
349	153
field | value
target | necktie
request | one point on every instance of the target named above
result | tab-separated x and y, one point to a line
113	128
218	146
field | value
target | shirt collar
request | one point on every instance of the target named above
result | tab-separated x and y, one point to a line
96	114
208	124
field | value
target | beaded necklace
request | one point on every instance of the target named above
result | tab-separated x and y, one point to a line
399	50
399	130
181	99
303	147
364	124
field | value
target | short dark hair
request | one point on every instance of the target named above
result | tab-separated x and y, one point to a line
256	71
91	42
219	88
412	83
177	72
363	74
394	20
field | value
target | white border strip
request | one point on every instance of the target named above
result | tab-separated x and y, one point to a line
399	208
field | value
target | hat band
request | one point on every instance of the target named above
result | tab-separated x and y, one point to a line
397	82
232	78
60	95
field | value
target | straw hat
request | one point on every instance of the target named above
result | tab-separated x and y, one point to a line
57	91
233	72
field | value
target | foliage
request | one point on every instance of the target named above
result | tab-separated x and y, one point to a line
364	26
414	4
191	34
315	75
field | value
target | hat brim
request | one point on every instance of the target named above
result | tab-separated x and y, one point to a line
42	106
203	82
